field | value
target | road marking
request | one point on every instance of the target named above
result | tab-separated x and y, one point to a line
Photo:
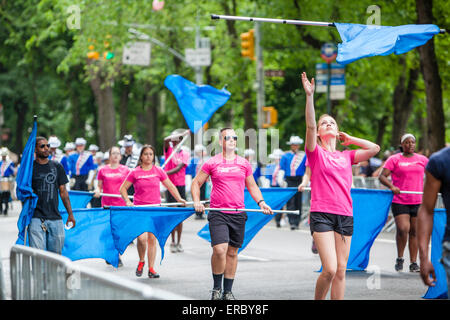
253	258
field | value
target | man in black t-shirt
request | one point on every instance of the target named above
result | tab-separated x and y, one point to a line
437	180
46	230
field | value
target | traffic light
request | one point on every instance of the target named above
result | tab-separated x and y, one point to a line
270	117
248	44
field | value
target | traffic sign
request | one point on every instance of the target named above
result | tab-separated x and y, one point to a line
337	83
137	53
200	57
328	52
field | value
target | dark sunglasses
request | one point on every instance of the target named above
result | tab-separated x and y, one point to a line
42	146
230	137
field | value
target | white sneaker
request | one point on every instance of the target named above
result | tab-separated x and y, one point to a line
173	248
179	248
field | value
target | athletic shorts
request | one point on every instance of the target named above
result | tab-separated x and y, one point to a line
227	228
323	222
410	209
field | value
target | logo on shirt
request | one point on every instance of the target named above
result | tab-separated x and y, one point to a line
146	176
407	164
228	169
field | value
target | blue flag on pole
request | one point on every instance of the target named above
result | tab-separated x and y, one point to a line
127	223
361	41
24	190
274	197
78	200
439	291
196	102
91	237
370	213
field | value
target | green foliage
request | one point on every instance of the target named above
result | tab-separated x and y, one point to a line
44	64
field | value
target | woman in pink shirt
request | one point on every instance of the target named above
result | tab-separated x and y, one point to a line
145	179
110	178
407	170
331	212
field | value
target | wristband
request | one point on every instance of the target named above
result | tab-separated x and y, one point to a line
262	200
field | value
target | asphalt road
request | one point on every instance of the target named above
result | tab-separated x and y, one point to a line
277	265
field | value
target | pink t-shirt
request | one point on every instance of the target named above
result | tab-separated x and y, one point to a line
228	181
331	180
407	175
112	179
146	185
179	178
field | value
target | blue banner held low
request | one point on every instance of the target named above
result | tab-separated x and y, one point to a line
78	200
91	237
440	290
127	223
276	198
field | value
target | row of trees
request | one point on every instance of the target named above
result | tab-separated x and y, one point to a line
44	69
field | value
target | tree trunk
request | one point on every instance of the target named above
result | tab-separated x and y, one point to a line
21	108
433	85
151	117
104	98
123	107
403	103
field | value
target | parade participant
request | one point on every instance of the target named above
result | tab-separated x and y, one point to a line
68	149
331	213
130	156
437	180
293	165
249	155
230	174
81	162
305	182
46	229
275	175
194	167
55	153
93	149
407	170
7	172
146	178
176	171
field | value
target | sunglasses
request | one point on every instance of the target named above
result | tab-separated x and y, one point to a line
42	146
226	138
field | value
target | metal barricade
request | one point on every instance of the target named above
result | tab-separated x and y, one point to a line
43	275
2	280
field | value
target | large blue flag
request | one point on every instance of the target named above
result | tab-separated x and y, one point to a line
91	237
127	223
196	102
370	213
24	190
276	198
360	41
439	291
78	200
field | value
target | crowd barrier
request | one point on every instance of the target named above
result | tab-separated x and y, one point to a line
42	275
2	281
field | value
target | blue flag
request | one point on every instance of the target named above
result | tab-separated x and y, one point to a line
361	41
276	198
91	237
439	291
78	200
196	102
127	223
370	213
24	188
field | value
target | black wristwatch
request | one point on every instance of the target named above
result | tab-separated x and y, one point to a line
260	201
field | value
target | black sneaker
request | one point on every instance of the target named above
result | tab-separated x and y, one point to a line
120	263
399	264
228	296
216	294
153	275
414	267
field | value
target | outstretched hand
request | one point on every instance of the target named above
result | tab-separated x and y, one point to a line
308	86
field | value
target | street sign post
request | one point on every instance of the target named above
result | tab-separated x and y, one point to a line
137	53
337	83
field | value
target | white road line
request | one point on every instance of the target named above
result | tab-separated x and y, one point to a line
253	258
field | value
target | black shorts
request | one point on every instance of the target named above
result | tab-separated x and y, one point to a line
323	222
410	209
227	228
181	190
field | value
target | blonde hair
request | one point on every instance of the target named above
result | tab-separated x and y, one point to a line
320	118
